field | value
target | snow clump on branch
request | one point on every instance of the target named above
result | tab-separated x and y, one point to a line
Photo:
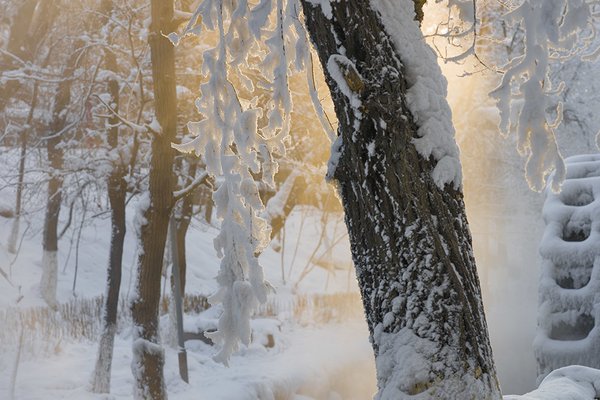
552	30
236	146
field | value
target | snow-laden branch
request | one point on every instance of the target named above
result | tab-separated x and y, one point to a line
153	127
199	180
236	146
552	28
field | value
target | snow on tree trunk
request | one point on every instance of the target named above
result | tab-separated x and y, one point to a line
404	208
148	355
568	304
14	235
55	153
102	370
49	277
50	234
117	190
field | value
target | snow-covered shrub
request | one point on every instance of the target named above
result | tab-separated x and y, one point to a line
570	281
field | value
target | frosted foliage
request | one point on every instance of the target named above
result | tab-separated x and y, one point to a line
427	90
570	282
235	146
551	30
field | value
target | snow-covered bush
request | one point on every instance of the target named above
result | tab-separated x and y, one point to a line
569	285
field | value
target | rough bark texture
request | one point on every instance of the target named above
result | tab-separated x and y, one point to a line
410	240
117	190
148	355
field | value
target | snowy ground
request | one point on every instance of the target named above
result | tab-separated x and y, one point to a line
309	360
338	366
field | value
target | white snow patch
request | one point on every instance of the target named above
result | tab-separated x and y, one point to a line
334	64
569	383
325	7
427	90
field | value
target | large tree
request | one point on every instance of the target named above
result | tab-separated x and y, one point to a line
409	235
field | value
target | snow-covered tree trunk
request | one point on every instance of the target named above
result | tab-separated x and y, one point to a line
117	190
410	240
55	153
148	355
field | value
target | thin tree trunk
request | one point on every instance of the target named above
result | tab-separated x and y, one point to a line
14	232
410	240
25	34
183	219
148	358
117	190
49	278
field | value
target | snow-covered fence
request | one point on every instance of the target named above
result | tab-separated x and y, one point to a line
569	292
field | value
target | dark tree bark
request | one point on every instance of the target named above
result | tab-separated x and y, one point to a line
183	218
117	190
410	240
148	355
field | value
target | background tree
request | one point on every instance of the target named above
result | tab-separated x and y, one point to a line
148	357
55	142
113	22
27	38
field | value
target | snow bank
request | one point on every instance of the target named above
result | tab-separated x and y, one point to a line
326	363
569	383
